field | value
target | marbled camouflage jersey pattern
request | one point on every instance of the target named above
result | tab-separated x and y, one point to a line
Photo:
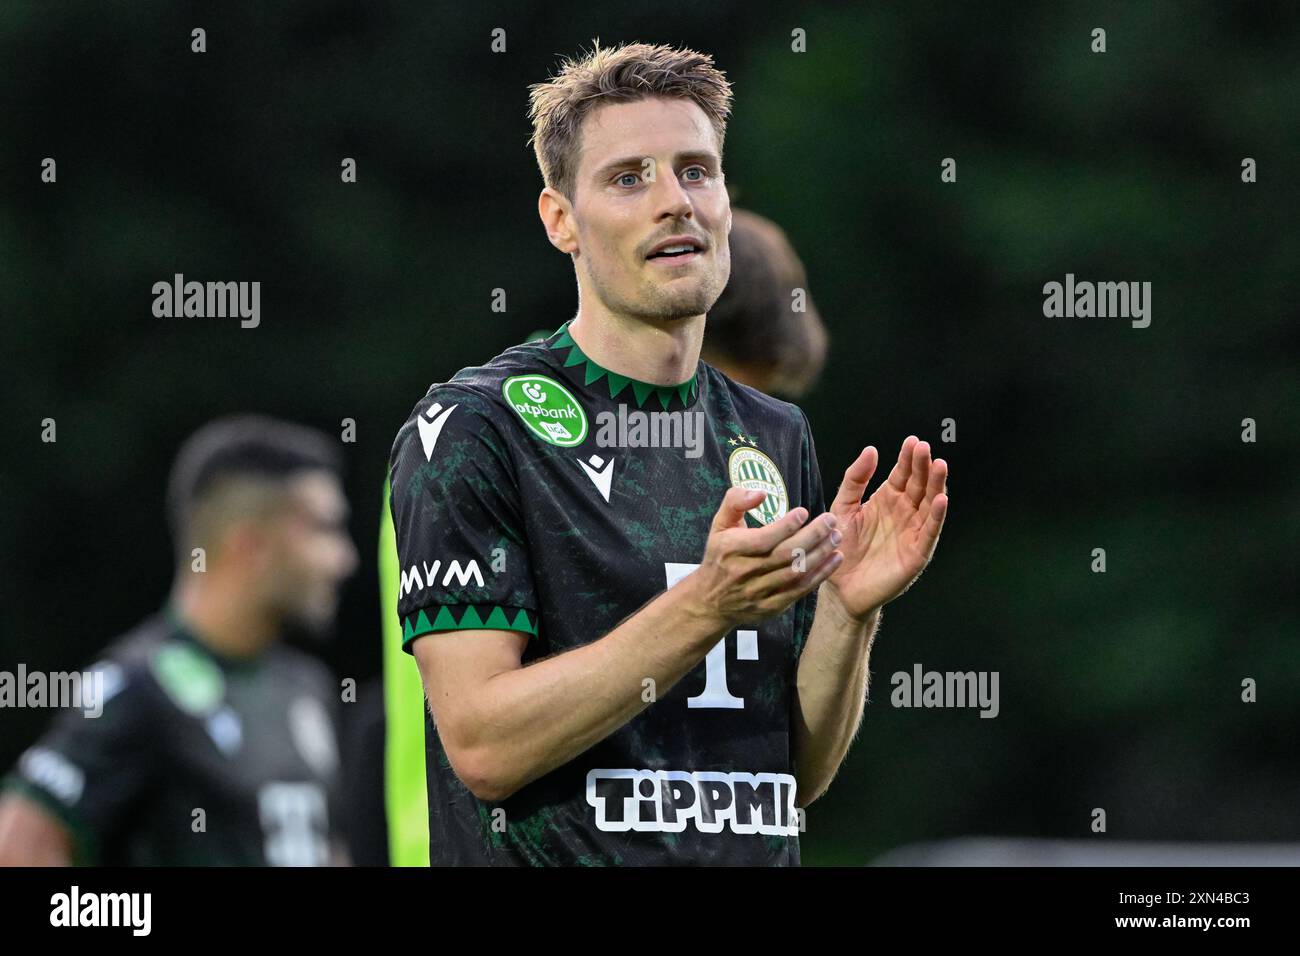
514	520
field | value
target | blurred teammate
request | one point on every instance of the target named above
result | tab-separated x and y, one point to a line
216	744
764	330
633	653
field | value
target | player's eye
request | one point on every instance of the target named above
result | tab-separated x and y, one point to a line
621	180
703	174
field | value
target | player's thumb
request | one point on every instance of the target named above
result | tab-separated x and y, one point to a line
734	505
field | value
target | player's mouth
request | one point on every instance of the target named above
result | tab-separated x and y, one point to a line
676	251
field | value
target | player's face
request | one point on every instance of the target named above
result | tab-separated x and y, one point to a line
649	171
312	553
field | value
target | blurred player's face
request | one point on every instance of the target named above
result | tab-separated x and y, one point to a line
649	171
310	553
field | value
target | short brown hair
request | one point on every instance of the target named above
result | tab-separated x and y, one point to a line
623	74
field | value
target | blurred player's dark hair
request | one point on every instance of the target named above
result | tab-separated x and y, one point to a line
753	332
243	449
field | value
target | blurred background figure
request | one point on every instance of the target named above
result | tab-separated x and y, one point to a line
216	744
764	330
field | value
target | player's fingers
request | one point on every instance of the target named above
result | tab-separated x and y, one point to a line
814	557
805	539
761	541
778	589
856	478
933	524
902	469
920	472
827	568
938	481
803	550
734	505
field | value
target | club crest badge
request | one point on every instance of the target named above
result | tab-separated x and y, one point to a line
752	470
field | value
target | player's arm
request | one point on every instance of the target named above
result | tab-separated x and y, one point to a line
830	692
887	542
504	724
78	783
30	835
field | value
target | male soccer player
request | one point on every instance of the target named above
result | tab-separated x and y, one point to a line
216	744
763	331
641	639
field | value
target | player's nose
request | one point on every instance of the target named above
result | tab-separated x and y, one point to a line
671	199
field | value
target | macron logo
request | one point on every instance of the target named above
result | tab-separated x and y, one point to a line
431	428
600	472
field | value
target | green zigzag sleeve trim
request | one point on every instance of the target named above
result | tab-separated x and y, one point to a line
463	617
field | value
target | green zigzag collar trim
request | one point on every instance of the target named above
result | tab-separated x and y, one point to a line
463	617
594	372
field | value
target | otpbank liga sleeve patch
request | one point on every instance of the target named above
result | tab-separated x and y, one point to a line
547	409
458	522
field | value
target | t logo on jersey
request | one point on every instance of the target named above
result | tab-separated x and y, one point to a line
546	408
716	694
752	470
431	423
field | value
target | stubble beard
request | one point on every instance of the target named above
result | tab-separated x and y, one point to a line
668	301
305	615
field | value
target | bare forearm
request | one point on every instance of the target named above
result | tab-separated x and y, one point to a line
533	719
831	689
504	725
30	836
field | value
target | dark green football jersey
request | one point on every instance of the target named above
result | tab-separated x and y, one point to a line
544	494
195	759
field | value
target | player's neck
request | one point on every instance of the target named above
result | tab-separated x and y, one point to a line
658	353
229	627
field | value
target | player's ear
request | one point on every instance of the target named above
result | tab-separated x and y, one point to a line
557	216
247	544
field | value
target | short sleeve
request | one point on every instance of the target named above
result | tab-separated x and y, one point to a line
458	521
814	500
95	763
